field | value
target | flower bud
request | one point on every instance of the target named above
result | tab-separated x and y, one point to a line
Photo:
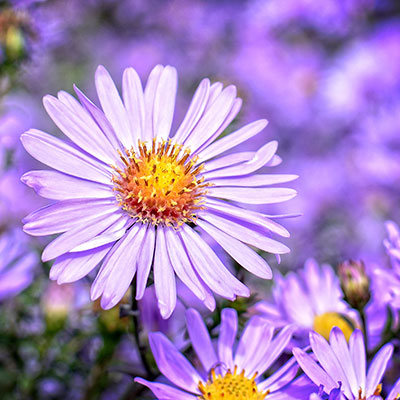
355	283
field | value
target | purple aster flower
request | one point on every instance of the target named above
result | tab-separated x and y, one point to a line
223	371
343	364
129	195
17	263
311	299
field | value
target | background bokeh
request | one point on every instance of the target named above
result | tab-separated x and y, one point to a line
326	74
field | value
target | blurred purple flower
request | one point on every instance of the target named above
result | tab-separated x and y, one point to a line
224	370
124	185
17	263
311	299
344	365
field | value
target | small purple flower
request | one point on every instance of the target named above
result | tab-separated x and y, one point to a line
222	370
311	299
17	263
129	195
343	364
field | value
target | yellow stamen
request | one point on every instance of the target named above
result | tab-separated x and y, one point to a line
231	386
324	323
160	184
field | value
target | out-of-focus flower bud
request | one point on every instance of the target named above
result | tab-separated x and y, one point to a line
355	283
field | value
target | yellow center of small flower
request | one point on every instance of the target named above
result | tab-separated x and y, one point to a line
231	386
324	323
160	184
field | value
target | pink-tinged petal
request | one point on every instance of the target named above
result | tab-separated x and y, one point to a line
63	157
260	158
395	392
255	180
149	96
328	360
112	105
240	252
200	339
228	161
181	264
209	266
252	345
230	141
194	112
252	195
377	368
173	365
71	267
227	337
244	234
164	103
122	267
100	119
76	123
78	235
212	118
115	232
64	215
237	105
132	93
314	371
164	277
145	260
253	217
357	353
57	186
166	392
339	346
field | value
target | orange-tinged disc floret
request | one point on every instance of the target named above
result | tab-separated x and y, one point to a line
231	386
160	184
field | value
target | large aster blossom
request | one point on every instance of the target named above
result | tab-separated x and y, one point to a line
343	365
311	299
17	263
224	373
130	195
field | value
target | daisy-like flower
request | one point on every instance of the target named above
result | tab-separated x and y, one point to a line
17	263
311	299
343	365
128	195
224	374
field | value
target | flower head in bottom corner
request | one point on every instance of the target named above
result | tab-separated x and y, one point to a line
223	373
343	365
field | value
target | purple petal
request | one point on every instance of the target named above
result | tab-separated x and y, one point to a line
63	157
209	267
245	256
244	234
164	102
165	392
377	368
232	140
280	378
194	112
57	186
314	371
227	161
200	339
78	235
255	180
64	215
112	105
357	353
132	93
164	277
173	365
144	261
394	393
227	337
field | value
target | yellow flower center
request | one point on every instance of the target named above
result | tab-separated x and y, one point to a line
231	386
324	323
160	184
